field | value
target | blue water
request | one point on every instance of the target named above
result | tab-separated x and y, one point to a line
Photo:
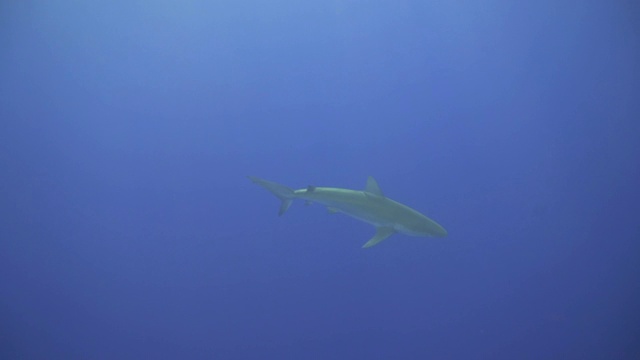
128	228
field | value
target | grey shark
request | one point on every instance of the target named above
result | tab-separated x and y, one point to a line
369	205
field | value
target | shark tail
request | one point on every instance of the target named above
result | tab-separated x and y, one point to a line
285	194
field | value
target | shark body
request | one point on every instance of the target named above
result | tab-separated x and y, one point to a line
369	205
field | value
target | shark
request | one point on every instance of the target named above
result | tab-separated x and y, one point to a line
369	205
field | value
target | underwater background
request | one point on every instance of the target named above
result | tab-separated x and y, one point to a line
129	230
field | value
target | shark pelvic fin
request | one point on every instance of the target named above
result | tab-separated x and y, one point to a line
381	234
372	187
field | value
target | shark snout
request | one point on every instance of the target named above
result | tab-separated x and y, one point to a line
440	232
432	228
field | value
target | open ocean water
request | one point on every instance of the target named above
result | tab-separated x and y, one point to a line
129	229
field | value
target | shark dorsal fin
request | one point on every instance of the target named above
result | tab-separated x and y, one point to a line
372	187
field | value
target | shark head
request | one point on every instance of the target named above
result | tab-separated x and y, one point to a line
421	226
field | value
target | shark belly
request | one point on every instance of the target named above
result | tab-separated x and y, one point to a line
356	204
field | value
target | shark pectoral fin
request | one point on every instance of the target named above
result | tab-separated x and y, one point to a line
332	210
381	234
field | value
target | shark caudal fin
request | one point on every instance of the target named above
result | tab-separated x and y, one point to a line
285	194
